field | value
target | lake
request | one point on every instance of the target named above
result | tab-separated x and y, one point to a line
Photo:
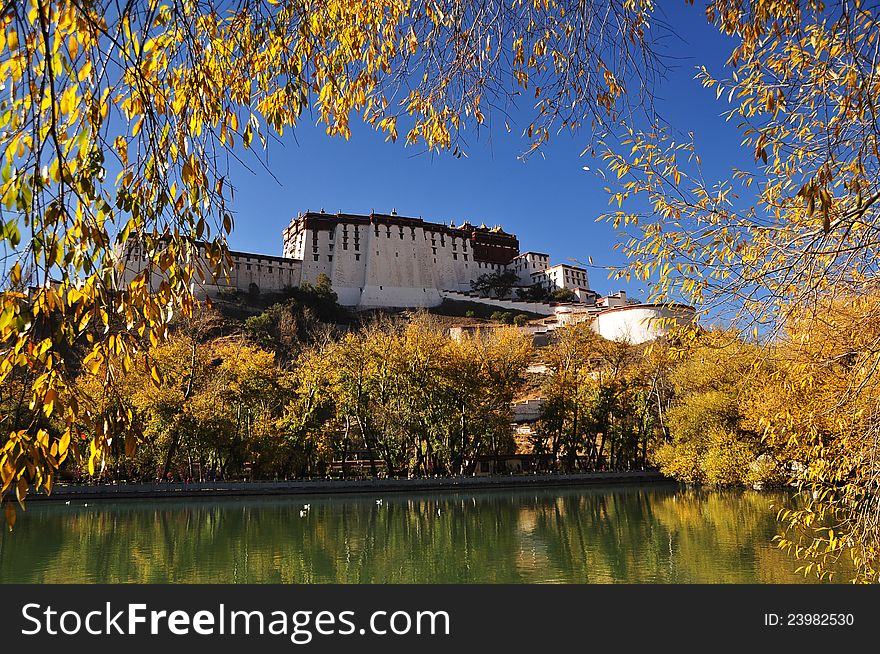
658	533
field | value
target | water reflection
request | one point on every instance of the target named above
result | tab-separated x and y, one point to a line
642	534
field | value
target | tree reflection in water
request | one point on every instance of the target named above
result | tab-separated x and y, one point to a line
633	534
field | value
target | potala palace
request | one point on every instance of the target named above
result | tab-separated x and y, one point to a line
391	261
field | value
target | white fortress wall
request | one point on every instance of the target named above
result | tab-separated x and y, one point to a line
269	274
318	255
386	260
135	258
349	262
438	247
397	270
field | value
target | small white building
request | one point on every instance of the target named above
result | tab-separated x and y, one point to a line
527	264
615	300
562	275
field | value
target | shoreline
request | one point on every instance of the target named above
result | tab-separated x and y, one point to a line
177	490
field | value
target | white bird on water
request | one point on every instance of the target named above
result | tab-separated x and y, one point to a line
303	513
306	507
378	502
67	502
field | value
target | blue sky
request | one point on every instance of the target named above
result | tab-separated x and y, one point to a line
548	201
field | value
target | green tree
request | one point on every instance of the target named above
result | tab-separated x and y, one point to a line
495	284
563	295
533	293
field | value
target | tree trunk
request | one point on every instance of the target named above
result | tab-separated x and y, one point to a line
368	441
175	438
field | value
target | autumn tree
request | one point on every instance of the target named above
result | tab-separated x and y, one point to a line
413	399
823	407
569	391
714	435
600	409
787	239
308	423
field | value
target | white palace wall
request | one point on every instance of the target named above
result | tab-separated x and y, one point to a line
268	273
388	260
398	271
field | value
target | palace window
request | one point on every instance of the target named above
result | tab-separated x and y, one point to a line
314	255
357	257
329	257
249	266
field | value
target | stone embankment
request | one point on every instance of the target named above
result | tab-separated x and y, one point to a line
326	486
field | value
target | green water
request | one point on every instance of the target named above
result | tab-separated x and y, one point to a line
635	534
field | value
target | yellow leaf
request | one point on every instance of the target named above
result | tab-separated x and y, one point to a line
85	71
21	490
154	375
63	443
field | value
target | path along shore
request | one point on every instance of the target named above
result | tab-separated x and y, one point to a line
176	490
